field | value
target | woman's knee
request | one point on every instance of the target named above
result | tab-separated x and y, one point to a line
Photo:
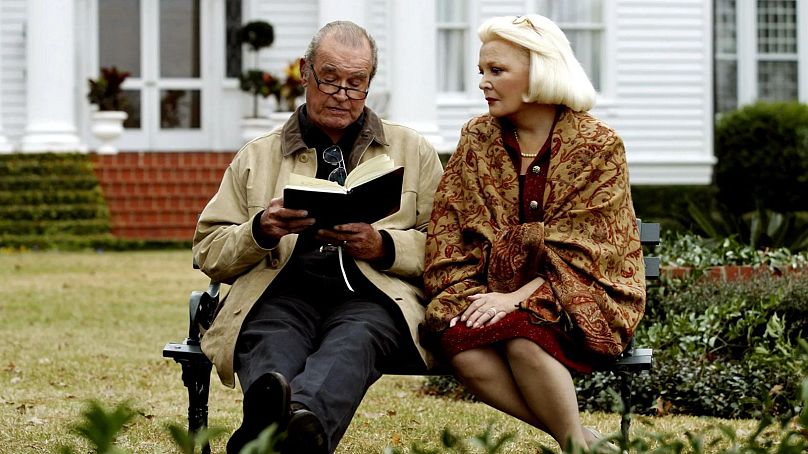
471	364
523	350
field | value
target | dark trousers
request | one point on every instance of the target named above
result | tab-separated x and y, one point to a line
327	341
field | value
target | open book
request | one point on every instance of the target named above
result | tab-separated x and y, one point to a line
372	191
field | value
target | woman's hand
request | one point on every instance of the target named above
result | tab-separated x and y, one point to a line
488	308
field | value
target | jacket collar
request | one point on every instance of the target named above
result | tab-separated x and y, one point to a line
292	136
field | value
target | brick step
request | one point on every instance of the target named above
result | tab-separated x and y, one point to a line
155	218
141	174
151	202
165	159
154	233
123	188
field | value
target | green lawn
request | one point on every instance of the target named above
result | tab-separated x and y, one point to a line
83	325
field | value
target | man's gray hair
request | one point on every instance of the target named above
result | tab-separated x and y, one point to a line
347	33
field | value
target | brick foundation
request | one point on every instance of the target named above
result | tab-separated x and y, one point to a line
158	195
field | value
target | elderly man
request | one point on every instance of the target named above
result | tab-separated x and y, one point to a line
314	314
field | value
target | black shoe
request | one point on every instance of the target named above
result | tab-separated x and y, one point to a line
305	434
266	402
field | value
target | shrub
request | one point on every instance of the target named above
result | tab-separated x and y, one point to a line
720	349
667	205
762	153
51	200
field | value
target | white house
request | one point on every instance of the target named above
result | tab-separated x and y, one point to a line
660	67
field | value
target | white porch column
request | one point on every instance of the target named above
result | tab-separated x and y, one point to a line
5	146
413	84
51	78
352	10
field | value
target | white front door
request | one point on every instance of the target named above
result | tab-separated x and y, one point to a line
162	44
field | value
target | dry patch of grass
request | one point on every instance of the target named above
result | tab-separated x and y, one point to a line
85	325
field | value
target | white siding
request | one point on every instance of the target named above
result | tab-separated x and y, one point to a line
662	104
12	51
294	23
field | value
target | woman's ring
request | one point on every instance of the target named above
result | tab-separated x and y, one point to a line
492	311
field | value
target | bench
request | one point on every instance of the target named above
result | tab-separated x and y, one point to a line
196	368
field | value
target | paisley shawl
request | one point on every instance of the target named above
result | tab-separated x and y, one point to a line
587	248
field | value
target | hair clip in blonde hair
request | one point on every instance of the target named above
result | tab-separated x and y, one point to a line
524	19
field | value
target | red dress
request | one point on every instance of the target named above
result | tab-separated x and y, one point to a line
519	323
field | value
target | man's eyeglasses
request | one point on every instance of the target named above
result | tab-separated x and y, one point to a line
333	156
332	89
526	20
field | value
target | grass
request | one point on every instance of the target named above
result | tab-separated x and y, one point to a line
84	325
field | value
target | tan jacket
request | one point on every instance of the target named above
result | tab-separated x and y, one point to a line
226	250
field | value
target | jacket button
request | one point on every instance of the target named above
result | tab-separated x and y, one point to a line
304	158
534	204
536	169
274	263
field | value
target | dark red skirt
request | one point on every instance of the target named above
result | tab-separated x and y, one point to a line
518	324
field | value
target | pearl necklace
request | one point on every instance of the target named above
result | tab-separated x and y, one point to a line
524	155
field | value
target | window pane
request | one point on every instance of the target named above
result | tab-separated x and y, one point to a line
452	60
180	109
577	11
587	48
451	11
179	38
132	108
452	64
725	24
232	24
119	35
777	26
726	85
777	80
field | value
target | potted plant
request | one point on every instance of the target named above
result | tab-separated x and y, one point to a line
256	35
106	93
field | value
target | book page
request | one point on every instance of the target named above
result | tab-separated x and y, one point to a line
311	182
369	170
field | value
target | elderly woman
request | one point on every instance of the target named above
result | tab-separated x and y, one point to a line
534	266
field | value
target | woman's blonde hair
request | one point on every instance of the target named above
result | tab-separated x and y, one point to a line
556	76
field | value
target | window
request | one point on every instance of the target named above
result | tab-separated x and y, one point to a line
452	23
761	64
583	23
777	50
232	46
726	56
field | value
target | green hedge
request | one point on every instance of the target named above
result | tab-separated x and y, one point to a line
51	200
762	153
667	205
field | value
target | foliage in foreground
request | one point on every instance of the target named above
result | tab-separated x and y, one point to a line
100	427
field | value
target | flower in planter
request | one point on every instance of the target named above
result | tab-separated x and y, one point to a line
292	87
259	83
106	91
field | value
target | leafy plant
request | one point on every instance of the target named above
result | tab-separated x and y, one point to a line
106	91
485	440
690	250
258	35
760	229
101	427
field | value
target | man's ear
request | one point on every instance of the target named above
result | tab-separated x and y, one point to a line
304	72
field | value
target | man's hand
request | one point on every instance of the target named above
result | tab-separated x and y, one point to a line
360	240
277	221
